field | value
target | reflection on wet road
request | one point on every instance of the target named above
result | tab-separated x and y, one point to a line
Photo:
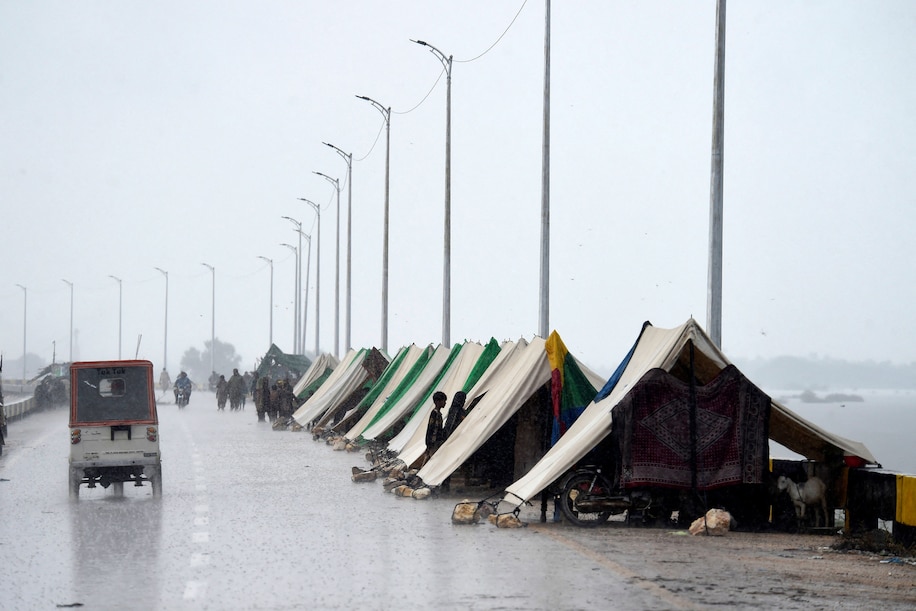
251	518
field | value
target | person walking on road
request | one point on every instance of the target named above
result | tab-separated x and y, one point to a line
222	393
236	390
165	382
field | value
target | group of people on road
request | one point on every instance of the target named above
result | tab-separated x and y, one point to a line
233	390
274	401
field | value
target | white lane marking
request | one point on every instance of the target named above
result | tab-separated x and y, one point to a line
195	589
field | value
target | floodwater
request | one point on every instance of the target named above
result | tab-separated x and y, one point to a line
883	420
252	518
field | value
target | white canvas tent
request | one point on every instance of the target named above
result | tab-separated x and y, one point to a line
406	401
410	443
412	354
345	379
373	364
317	369
514	379
667	349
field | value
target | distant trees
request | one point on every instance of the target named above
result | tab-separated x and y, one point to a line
197	363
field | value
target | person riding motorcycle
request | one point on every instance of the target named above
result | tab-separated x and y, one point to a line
183	382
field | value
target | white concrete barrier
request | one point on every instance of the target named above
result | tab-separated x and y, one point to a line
18	408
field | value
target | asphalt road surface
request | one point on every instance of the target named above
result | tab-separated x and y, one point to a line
251	518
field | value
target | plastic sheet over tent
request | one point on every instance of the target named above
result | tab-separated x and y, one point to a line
666	349
275	360
516	376
405	401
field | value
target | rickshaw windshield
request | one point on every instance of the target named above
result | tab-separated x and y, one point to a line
113	393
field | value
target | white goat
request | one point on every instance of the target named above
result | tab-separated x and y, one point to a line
812	492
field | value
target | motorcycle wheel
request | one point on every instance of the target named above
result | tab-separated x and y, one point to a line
581	483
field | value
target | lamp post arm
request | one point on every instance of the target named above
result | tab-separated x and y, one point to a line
386	112
446	60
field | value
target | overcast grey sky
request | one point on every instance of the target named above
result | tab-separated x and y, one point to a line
138	135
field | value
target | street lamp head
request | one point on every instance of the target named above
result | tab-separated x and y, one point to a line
446	61
293	221
210	267
313	205
328	178
115	278
346	156
386	112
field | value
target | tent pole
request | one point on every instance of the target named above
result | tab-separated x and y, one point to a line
693	421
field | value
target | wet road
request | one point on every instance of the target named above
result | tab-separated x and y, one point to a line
251	518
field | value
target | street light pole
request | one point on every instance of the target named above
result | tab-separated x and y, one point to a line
297	349
305	301
120	310
296	285
165	333
25	317
212	315
447	239
544	310
271	261
714	279
317	271
348	157
386	113
336	184
70	284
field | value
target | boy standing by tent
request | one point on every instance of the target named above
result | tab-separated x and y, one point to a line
434	432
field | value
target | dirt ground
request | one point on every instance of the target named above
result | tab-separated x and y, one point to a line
741	569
